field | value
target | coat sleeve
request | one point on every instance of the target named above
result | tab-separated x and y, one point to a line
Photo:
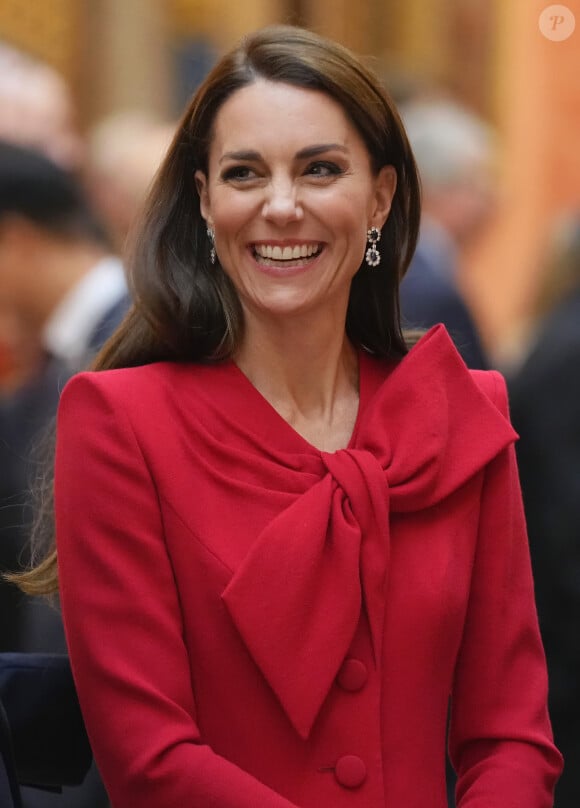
500	737
123	621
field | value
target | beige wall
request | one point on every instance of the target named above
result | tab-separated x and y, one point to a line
231	20
48	30
538	114
125	61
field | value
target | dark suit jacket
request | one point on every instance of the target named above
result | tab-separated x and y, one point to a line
108	323
26	417
429	296
48	738
9	788
28	624
545	405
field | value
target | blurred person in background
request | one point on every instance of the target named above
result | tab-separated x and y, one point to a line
65	291
37	112
454	150
58	274
545	406
37	108
124	151
19	357
60	288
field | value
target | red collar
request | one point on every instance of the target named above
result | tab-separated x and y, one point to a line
296	599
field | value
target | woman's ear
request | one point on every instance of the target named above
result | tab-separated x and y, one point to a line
201	185
385	187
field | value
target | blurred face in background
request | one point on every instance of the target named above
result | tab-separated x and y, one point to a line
20	349
124	150
456	152
466	205
16	239
20	353
37	111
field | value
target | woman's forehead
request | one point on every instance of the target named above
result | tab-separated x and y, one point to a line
280	114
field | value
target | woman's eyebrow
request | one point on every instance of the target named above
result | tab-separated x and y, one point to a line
308	152
244	154
314	151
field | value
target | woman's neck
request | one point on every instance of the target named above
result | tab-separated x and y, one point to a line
309	377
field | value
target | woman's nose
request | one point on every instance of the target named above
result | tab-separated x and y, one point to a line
281	204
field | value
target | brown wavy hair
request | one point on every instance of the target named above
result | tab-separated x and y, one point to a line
185	308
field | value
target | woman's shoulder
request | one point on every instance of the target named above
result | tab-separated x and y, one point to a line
435	358
493	385
120	380
140	385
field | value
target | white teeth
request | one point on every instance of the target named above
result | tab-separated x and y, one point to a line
287	253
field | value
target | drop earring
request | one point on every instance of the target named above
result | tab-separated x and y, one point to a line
372	255
211	237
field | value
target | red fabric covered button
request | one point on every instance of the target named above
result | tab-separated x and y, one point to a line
353	675
350	771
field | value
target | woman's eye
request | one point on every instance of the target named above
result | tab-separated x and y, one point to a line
324	169
238	173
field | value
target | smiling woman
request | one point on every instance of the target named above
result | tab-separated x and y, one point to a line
290	206
284	539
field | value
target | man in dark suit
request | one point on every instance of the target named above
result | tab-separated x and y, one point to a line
429	295
61	284
9	788
545	407
453	149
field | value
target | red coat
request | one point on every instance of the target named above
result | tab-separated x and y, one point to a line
254	623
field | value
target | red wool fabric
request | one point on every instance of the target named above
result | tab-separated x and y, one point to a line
254	622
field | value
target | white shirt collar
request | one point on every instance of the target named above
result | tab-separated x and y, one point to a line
68	330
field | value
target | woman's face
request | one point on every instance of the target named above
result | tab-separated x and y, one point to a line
290	195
